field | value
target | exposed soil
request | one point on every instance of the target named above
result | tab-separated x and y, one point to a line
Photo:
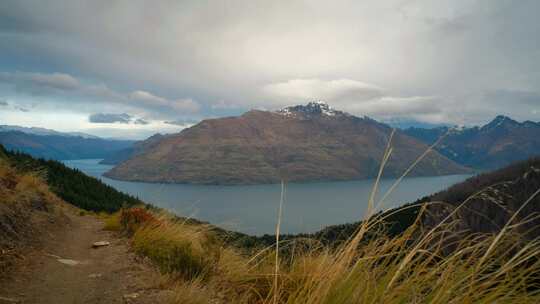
65	268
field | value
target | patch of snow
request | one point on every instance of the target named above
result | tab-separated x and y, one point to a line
313	107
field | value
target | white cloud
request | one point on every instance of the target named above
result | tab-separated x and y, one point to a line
195	57
358	98
40	82
72	90
225	105
147	98
337	91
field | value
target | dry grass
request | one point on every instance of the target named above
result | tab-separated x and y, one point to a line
422	265
416	267
112	222
25	203
17	187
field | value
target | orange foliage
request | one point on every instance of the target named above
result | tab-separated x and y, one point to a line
133	218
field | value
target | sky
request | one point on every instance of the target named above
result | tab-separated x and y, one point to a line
131	68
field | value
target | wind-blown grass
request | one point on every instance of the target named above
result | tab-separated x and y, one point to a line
424	264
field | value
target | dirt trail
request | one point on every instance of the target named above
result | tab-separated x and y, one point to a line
108	274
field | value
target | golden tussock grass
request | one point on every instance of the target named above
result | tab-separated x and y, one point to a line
436	264
17	187
112	222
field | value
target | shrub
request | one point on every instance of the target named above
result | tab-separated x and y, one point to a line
134	218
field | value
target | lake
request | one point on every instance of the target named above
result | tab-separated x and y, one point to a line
253	209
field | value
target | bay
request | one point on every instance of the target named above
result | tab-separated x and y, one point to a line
253	209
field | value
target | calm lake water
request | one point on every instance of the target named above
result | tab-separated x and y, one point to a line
253	209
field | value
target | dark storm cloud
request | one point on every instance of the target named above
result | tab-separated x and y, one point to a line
110	118
429	60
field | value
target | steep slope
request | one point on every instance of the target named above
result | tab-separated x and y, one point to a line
494	145
61	146
504	192
46	253
72	185
492	201
301	143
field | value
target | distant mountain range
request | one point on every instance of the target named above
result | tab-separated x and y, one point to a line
50	144
302	143
43	131
494	145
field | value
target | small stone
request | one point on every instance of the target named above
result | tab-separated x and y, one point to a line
100	244
68	262
131	296
95	275
8	300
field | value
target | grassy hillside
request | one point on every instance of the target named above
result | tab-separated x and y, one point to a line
369	267
390	258
26	206
72	185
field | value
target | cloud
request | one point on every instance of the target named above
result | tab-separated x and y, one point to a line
180	105
3	103
21	109
508	96
110	118
226	105
338	91
66	89
420	108
193	57
358	97
140	121
38	83
182	122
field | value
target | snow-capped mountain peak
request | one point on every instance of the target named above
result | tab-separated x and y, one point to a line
312	108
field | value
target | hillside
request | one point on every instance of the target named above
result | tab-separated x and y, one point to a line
198	263
494	145
50	144
71	185
493	197
298	144
46	253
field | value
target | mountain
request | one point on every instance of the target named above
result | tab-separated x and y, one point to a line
503	193
51	144
494	145
43	131
302	143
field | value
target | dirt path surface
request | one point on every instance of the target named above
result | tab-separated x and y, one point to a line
68	270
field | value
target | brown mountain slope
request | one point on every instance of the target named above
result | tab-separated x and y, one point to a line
302	143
